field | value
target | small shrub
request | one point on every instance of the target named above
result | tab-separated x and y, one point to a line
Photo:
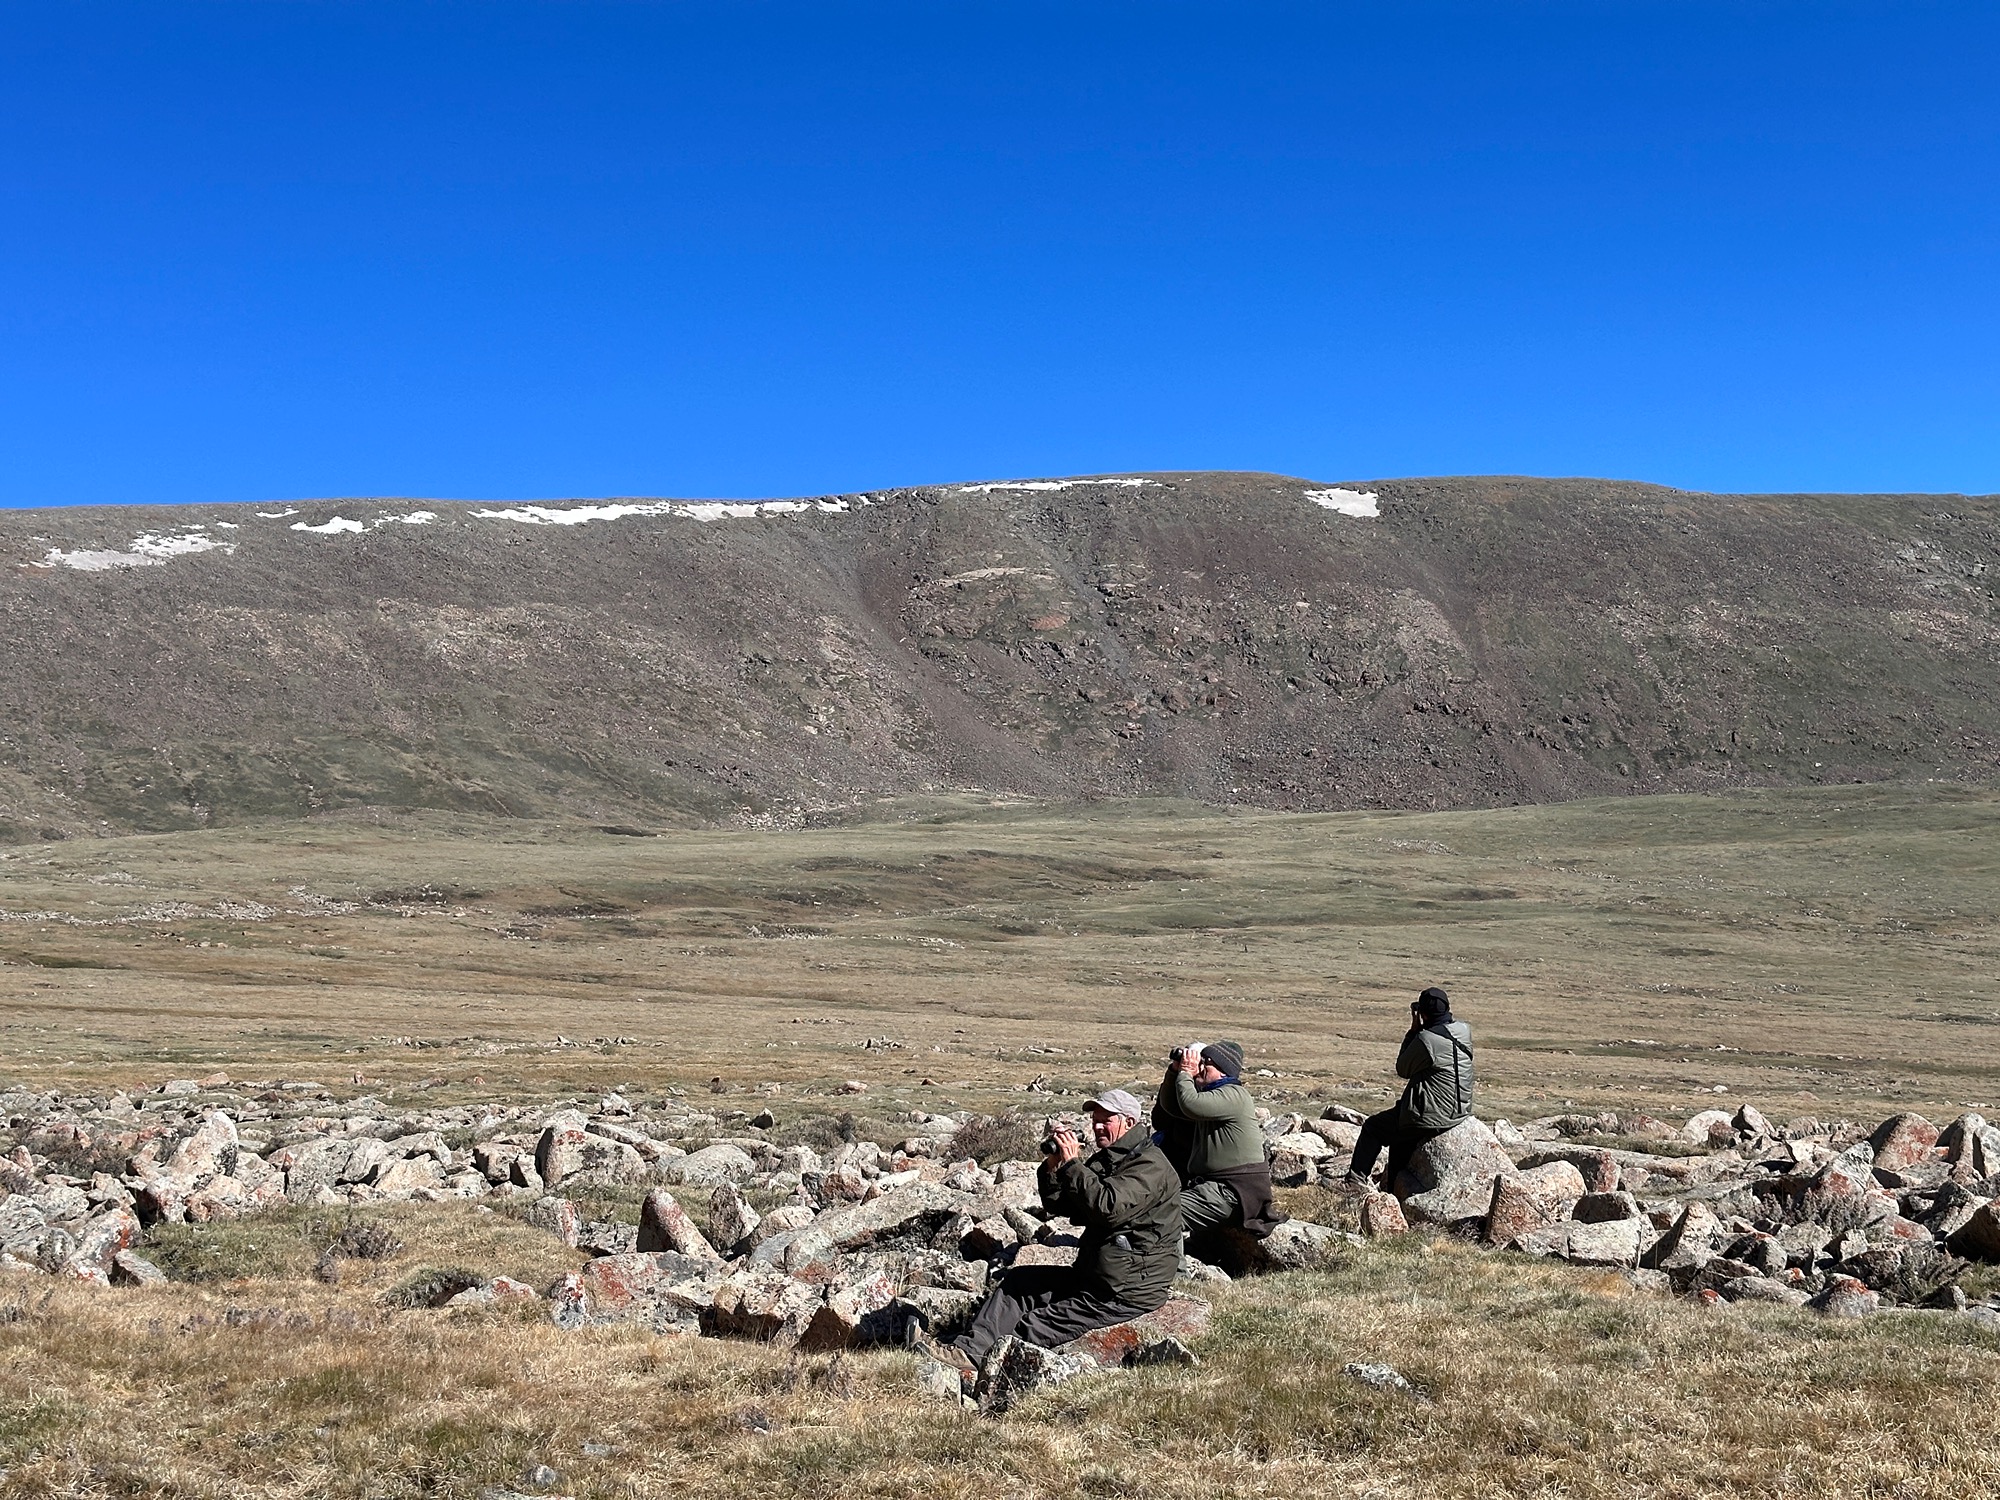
1923	1269
991	1138
368	1242
820	1132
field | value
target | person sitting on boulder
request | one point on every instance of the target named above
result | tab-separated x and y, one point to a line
1208	1125
1126	1198
1436	1057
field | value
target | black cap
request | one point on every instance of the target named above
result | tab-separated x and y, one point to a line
1433	1003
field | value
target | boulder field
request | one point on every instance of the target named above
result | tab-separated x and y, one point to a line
856	1241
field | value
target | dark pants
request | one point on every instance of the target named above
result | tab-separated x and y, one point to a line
1389	1131
1044	1305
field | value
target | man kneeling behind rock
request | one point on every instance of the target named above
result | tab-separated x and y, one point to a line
1127	1198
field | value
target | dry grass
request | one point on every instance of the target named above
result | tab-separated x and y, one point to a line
1534	1379
1828	952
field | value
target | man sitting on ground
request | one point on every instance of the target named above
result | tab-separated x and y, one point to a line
1209	1122
1127	1201
1436	1057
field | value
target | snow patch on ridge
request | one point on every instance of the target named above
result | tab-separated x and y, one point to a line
148	550
691	510
1347	502
1048	484
341	524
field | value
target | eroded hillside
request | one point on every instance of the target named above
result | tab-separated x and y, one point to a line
1232	637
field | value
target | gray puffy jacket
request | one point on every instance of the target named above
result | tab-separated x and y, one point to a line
1438	1063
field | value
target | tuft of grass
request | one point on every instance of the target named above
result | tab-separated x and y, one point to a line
430	1286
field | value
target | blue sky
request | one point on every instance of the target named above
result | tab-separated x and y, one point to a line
275	250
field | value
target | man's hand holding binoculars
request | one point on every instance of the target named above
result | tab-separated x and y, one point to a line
1062	1147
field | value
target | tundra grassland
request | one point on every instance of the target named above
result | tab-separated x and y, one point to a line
1827	952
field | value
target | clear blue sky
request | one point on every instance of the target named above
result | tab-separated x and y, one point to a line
256	251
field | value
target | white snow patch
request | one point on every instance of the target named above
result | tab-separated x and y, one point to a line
148	550
414	518
330	528
277	515
227	526
188	543
1048	484
1347	502
692	510
96	562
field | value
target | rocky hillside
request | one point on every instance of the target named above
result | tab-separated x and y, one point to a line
1232	637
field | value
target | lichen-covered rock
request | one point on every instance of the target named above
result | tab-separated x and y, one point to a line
665	1225
1554	1184
762	1302
1180	1318
1512	1212
1599	1208
667	1292
1845	1297
910	1215
558	1216
1382	1215
1978	1236
733	1220
710	1167
1903	1141
1450	1177
1616	1242
1762	1289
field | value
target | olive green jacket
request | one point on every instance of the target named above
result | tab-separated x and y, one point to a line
1439	1093
1217	1129
1128	1200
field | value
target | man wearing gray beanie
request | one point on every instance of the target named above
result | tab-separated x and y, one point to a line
1209	1129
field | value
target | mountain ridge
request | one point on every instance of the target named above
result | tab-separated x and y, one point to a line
1221	636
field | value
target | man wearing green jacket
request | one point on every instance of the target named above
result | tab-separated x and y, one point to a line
1436	1057
1127	1199
1208	1125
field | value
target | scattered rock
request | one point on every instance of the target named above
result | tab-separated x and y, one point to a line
1903	1141
1382	1215
1845	1297
1381	1377
1014	1370
665	1225
1513	1211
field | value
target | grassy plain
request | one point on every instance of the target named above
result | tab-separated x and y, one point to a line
1820	950
1826	952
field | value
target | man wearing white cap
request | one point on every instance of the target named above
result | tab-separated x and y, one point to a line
1127	1197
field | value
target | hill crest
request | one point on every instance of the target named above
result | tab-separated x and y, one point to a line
1230	637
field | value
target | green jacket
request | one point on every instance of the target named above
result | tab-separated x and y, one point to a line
1127	1191
1217	1129
1439	1093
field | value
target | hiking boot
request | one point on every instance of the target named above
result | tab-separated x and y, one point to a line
920	1342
